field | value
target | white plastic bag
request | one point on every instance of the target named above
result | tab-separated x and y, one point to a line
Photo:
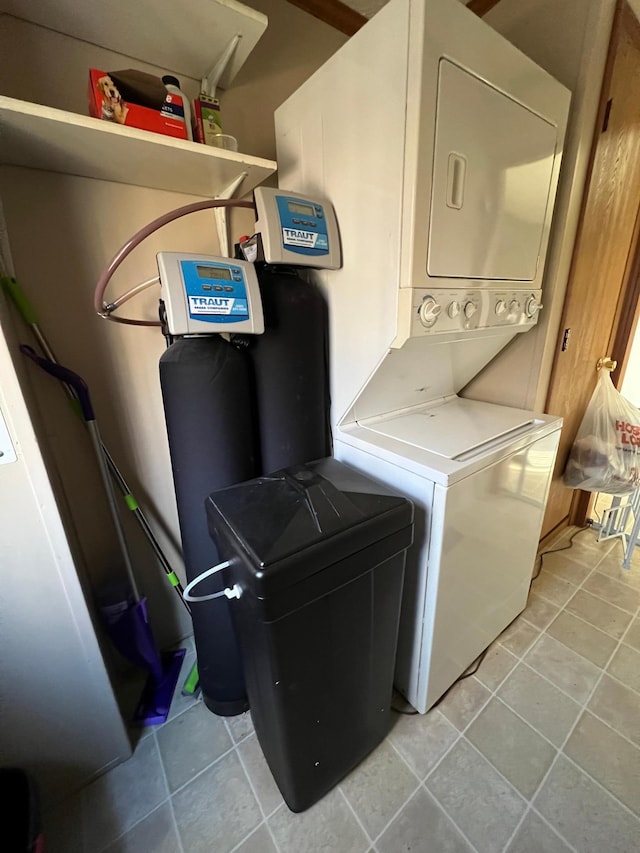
605	456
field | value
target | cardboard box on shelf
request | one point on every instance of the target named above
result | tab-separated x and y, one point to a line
106	102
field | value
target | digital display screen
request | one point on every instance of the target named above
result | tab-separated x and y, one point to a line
304	209
214	272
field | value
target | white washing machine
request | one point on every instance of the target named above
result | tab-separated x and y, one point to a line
439	145
478	475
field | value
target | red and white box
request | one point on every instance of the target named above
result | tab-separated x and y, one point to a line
105	102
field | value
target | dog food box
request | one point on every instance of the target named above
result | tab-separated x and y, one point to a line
135	99
206	119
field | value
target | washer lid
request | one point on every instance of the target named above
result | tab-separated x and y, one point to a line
456	429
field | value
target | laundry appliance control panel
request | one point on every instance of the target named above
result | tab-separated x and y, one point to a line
445	311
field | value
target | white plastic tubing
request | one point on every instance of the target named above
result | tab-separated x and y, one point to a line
104	309
234	592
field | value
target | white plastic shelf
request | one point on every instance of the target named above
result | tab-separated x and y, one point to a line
186	37
39	137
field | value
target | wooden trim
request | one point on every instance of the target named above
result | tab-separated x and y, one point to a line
597	129
334	13
627	313
481	7
552	534
629	20
579	508
348	21
627	309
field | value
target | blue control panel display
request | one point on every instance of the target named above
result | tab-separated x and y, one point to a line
303	224
216	293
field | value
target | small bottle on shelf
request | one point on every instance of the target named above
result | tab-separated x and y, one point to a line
180	103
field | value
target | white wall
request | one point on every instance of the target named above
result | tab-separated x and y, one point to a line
58	715
569	38
631	382
63	230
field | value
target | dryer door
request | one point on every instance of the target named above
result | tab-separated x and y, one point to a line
492	173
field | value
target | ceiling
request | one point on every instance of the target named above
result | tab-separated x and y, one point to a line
368	8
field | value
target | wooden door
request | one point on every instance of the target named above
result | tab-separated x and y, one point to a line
603	256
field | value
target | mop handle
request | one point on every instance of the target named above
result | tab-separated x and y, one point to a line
79	386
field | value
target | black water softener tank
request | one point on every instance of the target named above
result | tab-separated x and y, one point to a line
206	389
290	369
318	551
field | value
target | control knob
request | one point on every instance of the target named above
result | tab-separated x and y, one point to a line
532	307
470	309
429	311
515	308
453	310
501	307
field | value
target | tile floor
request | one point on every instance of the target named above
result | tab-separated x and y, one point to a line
539	752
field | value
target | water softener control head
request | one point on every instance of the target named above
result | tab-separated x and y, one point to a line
206	295
296	229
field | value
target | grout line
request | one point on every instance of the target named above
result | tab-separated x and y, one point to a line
606	600
233	739
247	837
581	656
479	711
152	734
527	723
556	603
585	622
448	817
561	750
401	757
395	814
166	783
552	683
531	810
204	770
603	788
255	793
445	753
537	627
178	714
600	601
175	825
539	815
273	811
493	694
509	784
130	828
355	814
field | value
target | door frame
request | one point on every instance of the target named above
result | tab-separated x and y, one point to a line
628	308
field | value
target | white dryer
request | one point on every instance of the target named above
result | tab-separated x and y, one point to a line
439	145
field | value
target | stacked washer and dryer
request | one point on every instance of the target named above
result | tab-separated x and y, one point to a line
439	145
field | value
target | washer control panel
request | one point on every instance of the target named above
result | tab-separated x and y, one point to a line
445	311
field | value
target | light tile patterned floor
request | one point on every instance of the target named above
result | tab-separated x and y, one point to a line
539	752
